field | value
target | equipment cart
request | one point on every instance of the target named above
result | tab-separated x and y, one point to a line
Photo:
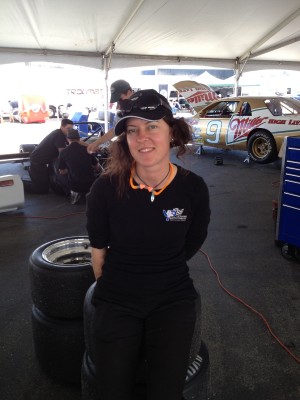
288	217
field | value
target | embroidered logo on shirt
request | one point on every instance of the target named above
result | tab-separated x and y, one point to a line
174	215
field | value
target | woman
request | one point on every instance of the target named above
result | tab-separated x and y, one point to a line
145	218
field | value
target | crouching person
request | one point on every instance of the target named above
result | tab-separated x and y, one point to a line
77	168
43	160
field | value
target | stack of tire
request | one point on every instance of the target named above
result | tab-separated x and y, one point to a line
60	274
27	149
197	378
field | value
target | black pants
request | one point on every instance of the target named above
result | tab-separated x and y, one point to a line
121	334
46	176
39	174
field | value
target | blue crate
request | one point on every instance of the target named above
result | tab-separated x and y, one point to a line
83	129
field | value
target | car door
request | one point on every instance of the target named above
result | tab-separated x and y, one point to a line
213	122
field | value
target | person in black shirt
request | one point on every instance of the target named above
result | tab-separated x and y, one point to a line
79	166
43	156
146	217
13	105
119	90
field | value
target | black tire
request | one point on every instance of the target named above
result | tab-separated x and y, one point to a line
58	346
196	386
60	274
88	315
198	377
196	340
262	147
60	111
290	252
89	389
52	112
27	148
88	379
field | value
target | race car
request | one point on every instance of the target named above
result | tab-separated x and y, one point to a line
256	124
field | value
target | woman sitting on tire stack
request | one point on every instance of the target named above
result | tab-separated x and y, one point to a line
146	217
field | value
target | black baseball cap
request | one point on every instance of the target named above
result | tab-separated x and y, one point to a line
117	88
148	105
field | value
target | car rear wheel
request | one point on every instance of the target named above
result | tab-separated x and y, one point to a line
262	147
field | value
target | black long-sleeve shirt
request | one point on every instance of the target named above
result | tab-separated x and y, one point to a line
49	147
149	242
80	164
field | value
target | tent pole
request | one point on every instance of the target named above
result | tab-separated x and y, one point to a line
105	67
106	62
239	68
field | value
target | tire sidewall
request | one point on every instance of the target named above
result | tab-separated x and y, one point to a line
36	257
59	290
196	388
268	137
27	148
58	346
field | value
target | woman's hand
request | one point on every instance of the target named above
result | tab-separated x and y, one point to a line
98	259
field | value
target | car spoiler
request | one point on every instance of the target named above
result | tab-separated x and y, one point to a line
196	94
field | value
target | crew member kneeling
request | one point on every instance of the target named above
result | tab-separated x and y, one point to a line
79	166
43	157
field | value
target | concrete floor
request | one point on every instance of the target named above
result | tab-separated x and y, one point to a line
246	362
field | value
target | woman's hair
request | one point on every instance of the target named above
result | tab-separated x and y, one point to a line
120	161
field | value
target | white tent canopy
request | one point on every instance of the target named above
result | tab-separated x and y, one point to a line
209	79
114	34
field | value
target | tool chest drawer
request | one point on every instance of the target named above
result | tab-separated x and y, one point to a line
288	219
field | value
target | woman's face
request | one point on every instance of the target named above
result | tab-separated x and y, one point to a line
148	141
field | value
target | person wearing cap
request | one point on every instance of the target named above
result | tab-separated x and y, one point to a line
146	217
78	166
43	159
119	90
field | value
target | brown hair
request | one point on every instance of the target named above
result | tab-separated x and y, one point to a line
120	160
